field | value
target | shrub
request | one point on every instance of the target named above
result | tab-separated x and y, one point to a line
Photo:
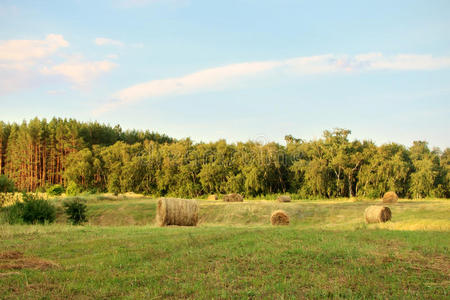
38	210
76	209
41	189
73	189
6	184
13	214
92	191
55	190
31	211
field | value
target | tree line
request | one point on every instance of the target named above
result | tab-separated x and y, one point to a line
98	158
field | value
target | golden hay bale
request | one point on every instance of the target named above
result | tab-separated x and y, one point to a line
213	197
377	214
284	199
279	217
182	212
233	198
390	197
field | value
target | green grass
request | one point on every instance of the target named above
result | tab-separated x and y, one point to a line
327	251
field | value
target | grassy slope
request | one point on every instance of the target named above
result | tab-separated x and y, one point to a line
234	253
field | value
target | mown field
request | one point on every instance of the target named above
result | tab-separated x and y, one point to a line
234	253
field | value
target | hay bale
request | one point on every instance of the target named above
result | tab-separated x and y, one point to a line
390	197
233	198
279	217
182	212
377	214
284	199
213	197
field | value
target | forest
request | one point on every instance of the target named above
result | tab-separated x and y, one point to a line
93	157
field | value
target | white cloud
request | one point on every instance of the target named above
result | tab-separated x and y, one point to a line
16	51
100	41
80	72
19	60
221	77
28	63
404	62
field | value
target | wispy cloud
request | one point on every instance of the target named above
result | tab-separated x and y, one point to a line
221	77
27	63
80	73
19	61
403	62
15	51
101	41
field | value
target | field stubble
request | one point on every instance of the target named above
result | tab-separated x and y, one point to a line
326	251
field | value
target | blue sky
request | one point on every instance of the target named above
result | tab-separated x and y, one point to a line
237	70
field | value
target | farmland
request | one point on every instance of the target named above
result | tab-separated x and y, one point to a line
326	251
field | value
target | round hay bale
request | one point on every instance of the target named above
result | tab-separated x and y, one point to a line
377	214
233	198
182	212
390	197
213	197
284	199
279	217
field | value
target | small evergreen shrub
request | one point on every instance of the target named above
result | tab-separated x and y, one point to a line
76	209
73	189
55	190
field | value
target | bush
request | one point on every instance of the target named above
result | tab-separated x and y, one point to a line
13	214
55	190
31	211
6	184
41	189
73	189
76	209
38	210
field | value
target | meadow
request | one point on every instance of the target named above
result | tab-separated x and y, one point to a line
234	252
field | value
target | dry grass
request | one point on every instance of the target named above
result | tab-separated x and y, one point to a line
213	197
15	260
377	214
279	217
182	212
390	197
11	255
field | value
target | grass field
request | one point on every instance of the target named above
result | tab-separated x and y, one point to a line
327	251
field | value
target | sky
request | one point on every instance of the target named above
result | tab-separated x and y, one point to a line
234	70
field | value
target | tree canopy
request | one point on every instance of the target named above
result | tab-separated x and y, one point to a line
93	156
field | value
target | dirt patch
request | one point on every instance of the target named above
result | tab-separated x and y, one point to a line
9	274
15	260
440	263
11	255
